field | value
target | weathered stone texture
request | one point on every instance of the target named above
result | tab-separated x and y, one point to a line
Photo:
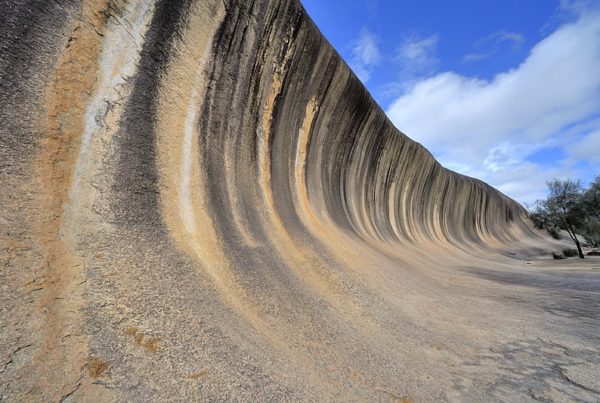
200	200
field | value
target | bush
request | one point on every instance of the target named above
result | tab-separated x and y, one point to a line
563	210
591	232
558	255
554	234
570	252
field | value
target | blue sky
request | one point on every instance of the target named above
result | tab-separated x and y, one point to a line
507	90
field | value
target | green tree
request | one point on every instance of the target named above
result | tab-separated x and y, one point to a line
564	209
592	198
591	202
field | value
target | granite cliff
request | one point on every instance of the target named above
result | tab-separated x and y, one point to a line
201	200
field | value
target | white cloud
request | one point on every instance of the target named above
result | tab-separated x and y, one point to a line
504	156
491	45
514	38
365	55
588	149
526	182
488	128
417	54
576	7
477	56
415	57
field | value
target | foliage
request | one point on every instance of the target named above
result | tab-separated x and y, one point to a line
592	199
591	204
591	232
563	210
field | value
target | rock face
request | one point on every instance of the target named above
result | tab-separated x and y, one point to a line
201	200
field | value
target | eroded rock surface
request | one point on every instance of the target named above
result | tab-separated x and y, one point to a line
201	201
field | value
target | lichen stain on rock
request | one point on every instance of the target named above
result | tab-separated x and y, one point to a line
152	344
96	367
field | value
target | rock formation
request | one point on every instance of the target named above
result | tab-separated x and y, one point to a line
201	200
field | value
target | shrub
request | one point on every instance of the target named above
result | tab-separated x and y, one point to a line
558	255
570	252
591	232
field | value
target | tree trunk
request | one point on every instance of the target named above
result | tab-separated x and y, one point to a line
581	256
573	236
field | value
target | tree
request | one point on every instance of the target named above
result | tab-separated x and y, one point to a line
592	198
591	204
564	209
